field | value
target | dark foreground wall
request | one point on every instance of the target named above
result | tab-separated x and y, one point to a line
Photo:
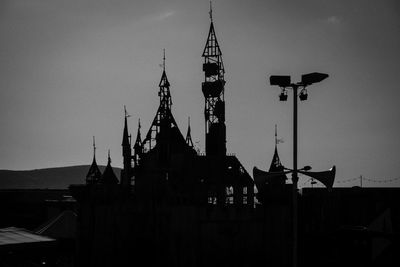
30	208
350	226
118	230
347	226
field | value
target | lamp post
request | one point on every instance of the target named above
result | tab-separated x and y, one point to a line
284	83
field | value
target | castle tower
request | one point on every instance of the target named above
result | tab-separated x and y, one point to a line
126	173
213	91
94	174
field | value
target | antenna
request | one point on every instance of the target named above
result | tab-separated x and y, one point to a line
276	138
109	158
211	11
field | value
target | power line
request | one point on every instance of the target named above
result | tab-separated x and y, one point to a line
346	181
381	180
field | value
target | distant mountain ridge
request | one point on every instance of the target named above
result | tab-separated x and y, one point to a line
51	178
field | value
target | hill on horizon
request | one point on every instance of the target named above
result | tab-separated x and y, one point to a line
48	178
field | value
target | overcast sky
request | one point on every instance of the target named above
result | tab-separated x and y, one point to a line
67	68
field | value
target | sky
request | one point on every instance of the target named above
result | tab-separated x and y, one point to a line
68	67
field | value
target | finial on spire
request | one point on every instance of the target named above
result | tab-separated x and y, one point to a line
211	11
109	158
164	59
126	112
94	147
277	141
139	126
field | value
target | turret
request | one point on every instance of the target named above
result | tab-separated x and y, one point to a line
94	173
108	176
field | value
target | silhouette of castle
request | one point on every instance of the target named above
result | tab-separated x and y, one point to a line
176	207
164	170
166	167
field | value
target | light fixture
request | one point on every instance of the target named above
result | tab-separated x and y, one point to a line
303	95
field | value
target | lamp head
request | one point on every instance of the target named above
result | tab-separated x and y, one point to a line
280	80
315	77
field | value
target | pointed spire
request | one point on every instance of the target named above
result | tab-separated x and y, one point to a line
138	143
163	121
94	173
276	164
164	80
108	176
125	137
188	135
138	136
138	146
212	47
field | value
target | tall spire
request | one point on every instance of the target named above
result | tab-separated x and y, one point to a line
138	143
125	137
213	89
94	173
188	135
163	118
126	172
138	136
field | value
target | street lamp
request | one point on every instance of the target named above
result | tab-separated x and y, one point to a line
284	82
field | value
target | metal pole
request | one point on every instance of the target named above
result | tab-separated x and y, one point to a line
294	176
